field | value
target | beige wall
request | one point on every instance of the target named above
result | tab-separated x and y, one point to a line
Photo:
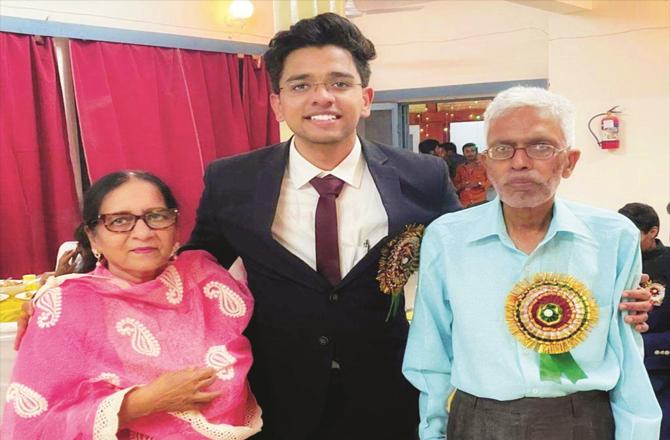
457	42
195	18
617	53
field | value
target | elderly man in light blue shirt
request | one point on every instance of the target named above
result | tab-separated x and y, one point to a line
517	300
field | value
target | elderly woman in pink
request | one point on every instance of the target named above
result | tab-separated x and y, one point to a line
146	345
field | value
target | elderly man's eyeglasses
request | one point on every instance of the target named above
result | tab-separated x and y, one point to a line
298	88
125	222
538	151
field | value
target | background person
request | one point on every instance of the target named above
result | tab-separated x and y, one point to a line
655	263
140	346
470	179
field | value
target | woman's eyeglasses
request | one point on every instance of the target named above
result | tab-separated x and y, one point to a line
125	222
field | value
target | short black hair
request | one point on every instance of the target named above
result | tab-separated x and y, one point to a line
449	146
470	145
94	197
428	146
322	30
644	216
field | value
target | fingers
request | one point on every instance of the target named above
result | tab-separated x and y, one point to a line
642	327
205	397
637	294
638	318
637	306
644	279
204	383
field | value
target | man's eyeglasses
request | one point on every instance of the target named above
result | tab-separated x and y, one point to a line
298	88
125	222
538	151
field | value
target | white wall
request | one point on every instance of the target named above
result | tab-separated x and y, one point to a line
618	53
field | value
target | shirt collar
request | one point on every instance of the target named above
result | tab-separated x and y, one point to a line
300	171
493	223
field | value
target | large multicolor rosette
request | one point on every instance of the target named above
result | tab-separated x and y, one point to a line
552	313
399	260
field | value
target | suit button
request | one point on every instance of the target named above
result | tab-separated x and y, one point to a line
334	297
323	340
657	352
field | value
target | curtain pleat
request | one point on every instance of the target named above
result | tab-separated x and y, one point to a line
38	201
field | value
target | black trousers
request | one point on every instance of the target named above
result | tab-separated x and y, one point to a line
580	416
332	427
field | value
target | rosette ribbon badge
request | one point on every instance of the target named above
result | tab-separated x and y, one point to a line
552	313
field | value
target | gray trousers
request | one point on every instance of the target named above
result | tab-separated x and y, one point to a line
580	416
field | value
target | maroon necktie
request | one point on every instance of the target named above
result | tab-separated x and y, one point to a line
327	249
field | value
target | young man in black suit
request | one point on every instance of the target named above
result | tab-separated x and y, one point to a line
326	362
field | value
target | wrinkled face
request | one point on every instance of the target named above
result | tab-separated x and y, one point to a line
141	254
325	114
520	181
470	153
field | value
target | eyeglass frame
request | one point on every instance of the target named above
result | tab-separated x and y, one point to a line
101	219
314	86
555	151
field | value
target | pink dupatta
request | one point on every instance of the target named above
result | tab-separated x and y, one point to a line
94	337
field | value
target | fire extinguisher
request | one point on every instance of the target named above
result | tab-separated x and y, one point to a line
609	129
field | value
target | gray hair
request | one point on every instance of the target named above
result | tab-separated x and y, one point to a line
543	100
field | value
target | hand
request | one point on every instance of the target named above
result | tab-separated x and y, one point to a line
181	390
27	311
638	303
67	262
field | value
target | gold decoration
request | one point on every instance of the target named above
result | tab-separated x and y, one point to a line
657	291
399	260
551	313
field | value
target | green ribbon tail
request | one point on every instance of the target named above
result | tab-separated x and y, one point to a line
393	309
569	367
549	370
552	366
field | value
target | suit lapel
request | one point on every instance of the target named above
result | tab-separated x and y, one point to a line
387	182
266	197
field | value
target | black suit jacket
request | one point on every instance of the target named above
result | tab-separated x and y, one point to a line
301	322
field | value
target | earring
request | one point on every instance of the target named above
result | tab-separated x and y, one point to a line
97	255
175	248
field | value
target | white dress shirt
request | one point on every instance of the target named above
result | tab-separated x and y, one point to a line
361	218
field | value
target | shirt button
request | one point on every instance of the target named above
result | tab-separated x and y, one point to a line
534	391
323	340
657	352
334	297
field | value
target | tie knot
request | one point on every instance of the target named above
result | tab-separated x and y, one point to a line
328	185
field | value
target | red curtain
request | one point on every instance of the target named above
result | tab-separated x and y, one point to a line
262	126
167	111
38	201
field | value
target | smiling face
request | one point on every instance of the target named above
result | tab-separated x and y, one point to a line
321	117
141	254
520	181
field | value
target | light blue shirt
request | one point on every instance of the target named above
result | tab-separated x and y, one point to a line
459	337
